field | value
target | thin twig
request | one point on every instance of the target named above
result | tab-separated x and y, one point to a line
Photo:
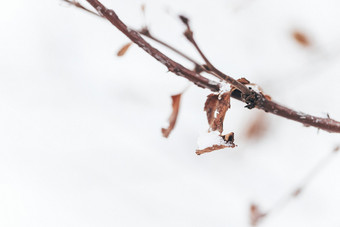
282	202
135	37
145	31
80	6
210	67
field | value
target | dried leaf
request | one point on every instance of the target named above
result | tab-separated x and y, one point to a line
123	50
215	142
243	81
143	8
216	107
173	117
210	149
257	127
210	107
267	97
301	38
336	149
255	215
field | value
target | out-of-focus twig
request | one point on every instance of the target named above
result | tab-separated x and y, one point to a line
282	202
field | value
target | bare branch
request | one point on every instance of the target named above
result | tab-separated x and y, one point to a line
210	67
135	37
80	6
242	93
145	31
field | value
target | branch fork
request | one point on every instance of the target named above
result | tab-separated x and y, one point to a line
239	90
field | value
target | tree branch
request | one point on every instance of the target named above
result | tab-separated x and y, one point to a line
252	98
209	66
145	31
135	37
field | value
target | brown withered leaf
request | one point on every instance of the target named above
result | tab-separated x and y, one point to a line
255	215
123	50
216	107
176	99
336	149
243	81
210	107
210	149
142	7
266	96
301	38
257	127
228	142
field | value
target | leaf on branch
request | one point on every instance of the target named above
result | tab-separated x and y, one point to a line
255	214
266	96
210	149
173	117
218	142
216	107
301	38
123	50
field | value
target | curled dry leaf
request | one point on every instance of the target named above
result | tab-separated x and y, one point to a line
301	38
336	149
176	99
255	214
223	141
216	107
123	50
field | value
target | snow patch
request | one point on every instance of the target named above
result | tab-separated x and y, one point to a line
224	87
209	139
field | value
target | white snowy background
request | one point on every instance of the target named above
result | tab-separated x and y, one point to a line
80	139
